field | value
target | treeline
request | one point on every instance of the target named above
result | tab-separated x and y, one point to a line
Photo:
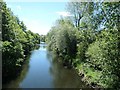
17	42
89	41
42	38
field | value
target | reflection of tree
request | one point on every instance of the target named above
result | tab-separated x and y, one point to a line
65	78
49	56
15	83
42	45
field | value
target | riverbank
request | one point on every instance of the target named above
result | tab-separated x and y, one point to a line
18	68
19	73
13	83
44	71
79	70
88	76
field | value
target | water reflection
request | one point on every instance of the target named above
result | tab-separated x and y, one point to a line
38	75
64	78
43	71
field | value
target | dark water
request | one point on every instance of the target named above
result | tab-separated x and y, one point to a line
42	72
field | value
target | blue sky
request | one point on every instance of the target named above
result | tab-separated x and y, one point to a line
39	17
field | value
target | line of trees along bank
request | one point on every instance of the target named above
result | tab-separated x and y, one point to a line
89	41
17	42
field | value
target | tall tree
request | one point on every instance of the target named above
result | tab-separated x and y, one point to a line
80	10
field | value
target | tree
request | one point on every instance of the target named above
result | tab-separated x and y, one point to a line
16	43
80	10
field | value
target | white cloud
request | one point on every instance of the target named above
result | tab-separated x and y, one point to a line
18	7
63	13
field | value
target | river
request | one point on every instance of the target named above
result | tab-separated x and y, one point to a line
41	72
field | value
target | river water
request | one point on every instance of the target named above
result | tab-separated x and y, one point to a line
41	72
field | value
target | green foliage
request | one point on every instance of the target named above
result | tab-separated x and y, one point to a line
103	55
85	38
62	40
92	35
17	42
112	13
11	53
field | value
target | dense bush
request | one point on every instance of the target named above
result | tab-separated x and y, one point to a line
103	56
62	40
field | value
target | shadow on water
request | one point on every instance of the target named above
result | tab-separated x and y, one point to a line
15	83
63	77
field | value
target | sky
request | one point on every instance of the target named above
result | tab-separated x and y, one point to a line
39	17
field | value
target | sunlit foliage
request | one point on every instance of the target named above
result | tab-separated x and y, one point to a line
17	42
89	40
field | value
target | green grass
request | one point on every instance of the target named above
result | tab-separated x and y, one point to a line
90	75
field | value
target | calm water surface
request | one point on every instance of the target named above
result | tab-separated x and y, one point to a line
42	72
